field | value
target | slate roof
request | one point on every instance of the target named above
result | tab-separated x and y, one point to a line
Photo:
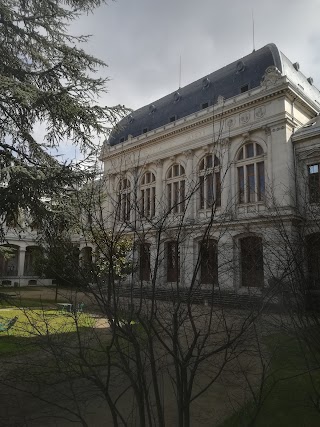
308	130
227	82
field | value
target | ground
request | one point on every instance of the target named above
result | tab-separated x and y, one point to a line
18	388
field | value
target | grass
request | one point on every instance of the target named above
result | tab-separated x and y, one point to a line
291	387
35	325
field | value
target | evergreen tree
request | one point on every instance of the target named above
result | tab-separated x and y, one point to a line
45	78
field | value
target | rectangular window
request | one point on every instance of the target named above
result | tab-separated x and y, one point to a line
208	262
205	105
251	262
145	261
173	262
314	183
241	184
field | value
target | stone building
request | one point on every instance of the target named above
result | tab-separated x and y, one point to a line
215	181
207	179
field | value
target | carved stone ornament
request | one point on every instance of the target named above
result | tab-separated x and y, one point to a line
220	100
271	77
158	163
230	122
267	130
259	112
188	153
225	141
244	117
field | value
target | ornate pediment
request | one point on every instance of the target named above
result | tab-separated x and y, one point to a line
272	77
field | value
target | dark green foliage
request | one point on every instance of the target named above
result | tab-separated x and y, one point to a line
45	79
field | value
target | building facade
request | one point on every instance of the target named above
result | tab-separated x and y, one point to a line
208	179
217	183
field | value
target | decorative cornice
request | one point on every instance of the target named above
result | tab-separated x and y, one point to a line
227	110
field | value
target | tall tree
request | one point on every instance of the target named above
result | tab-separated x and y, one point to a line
46	78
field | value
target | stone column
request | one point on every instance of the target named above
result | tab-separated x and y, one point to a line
225	175
191	183
21	259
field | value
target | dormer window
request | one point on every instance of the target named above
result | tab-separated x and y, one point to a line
205	105
144	130
122	139
172	119
244	88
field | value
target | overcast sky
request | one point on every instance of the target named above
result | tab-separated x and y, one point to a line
142	40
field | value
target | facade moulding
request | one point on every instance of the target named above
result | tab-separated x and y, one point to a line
183	128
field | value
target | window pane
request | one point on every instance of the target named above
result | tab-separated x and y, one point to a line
148	200
169	196
153	203
210	195
209	162
241	184
261	182
175	196
201	190
259	150
176	170
249	150
240	156
314	184
218	189
250	183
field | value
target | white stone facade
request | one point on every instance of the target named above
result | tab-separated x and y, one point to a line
230	168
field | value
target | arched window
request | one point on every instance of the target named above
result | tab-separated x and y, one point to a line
148	195
251	175
209	182
124	200
176	189
251	260
209	262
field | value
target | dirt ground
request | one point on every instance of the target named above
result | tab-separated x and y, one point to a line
20	407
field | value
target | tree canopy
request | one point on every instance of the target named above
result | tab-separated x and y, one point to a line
45	78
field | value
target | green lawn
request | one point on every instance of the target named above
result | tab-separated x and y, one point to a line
291	387
38	324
